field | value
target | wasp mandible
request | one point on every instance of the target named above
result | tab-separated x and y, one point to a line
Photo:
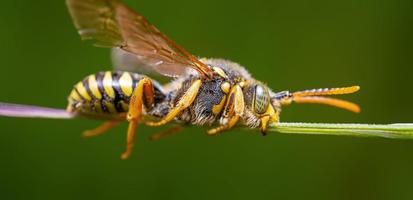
202	91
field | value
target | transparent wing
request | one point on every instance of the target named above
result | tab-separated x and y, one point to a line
95	20
125	61
112	24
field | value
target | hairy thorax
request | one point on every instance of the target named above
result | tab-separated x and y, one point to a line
210	101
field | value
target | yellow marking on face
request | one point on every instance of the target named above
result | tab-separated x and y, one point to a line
216	109
110	107
226	87
270	116
73	95
107	85
93	86
82	91
125	83
220	72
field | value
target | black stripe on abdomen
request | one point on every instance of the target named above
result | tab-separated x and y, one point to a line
119	96
105	97
86	85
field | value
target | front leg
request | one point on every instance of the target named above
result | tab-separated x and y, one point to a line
233	111
186	100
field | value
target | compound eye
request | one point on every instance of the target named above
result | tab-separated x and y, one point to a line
261	99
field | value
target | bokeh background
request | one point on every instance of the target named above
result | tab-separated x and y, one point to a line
290	45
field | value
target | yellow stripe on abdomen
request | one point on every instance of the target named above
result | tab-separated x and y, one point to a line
107	85
125	83
93	87
82	91
74	96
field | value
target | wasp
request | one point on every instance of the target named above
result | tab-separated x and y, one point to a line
201	91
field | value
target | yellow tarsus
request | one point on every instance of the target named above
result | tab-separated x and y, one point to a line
231	123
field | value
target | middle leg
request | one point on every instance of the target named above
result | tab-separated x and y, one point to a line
186	100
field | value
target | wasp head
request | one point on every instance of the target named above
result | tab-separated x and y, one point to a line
260	110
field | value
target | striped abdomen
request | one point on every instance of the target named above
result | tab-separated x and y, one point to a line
106	93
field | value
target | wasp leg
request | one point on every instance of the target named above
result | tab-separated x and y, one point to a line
100	129
231	123
186	100
169	132
143	91
234	109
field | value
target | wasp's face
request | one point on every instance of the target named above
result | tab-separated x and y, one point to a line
259	111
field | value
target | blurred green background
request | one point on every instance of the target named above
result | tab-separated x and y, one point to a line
290	45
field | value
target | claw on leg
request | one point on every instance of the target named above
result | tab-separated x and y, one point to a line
130	140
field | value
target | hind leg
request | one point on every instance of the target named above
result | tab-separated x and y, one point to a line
100	129
142	95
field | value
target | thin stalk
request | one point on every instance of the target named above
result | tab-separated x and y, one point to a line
395	131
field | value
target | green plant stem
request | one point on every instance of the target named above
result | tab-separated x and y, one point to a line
396	131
